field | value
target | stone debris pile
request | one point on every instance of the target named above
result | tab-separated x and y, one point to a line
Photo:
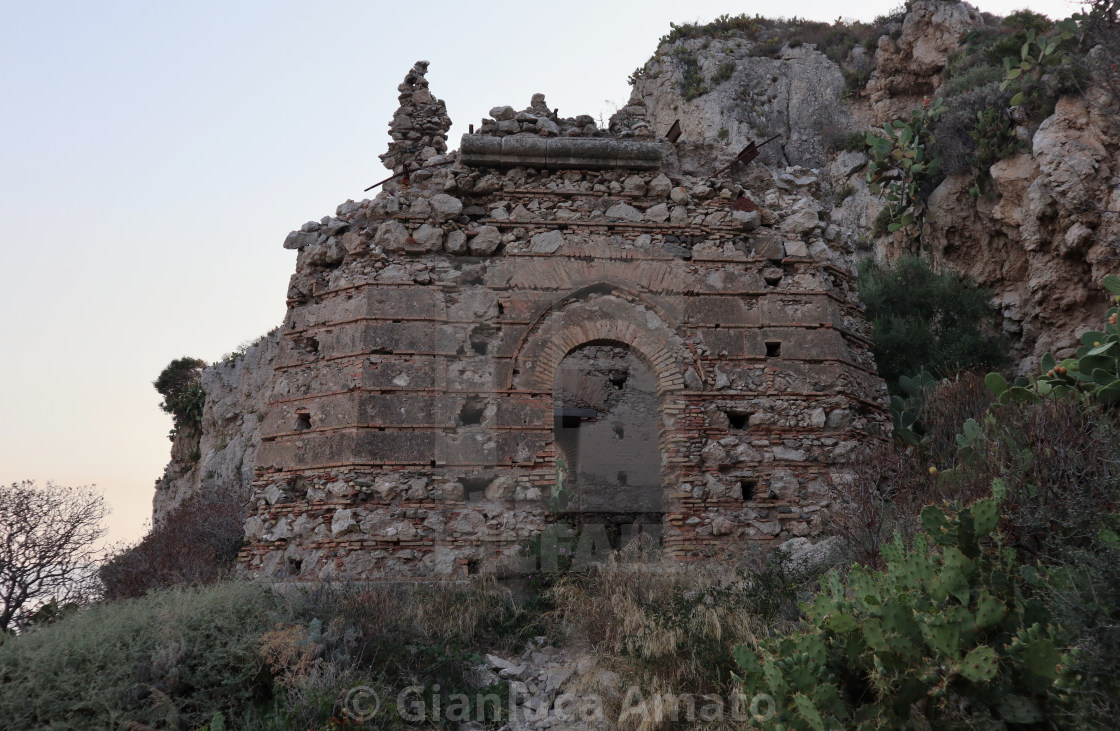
419	128
632	120
537	119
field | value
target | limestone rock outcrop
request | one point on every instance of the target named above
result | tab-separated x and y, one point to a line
912	64
794	96
1048	234
221	454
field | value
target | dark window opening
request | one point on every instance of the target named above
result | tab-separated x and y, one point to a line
772	280
621	479
618	379
619	431
303	420
773	349
472	411
473	566
570	422
748	487
431	463
295	566
474	488
480	338
738	419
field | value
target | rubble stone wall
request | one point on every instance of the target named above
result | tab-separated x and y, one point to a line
411	428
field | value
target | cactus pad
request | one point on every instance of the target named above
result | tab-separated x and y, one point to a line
979	665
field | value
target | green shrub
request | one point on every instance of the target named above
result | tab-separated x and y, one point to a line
171	659
943	638
692	81
180	384
954	131
723	73
925	320
973	78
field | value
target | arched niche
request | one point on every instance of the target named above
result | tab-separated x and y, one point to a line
633	329
607	433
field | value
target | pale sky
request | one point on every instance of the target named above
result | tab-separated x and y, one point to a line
153	156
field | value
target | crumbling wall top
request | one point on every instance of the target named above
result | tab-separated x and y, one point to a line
419	128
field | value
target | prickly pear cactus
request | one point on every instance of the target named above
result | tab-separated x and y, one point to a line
943	628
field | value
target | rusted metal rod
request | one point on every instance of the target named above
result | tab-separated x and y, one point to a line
406	172
747	154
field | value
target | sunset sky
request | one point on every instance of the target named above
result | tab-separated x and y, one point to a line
155	155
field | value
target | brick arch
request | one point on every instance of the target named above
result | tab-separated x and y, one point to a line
574	320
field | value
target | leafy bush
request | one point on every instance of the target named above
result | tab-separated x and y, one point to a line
171	660
196	543
921	319
995	140
723	73
942	638
180	384
974	78
954	131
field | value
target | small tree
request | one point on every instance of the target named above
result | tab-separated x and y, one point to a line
47	552
180	384
922	319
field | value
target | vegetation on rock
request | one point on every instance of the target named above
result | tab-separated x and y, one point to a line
180	384
927	320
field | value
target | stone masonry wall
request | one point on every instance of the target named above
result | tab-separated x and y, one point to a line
411	427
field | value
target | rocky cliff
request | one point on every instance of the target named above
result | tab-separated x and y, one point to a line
1043	234
221	454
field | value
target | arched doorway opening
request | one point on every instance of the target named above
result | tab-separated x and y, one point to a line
607	432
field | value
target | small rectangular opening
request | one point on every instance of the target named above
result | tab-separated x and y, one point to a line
472	411
748	488
737	420
773	348
474	488
473	566
621	479
303	420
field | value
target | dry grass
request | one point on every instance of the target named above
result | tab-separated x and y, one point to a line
669	628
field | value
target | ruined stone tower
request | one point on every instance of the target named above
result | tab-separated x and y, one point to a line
555	317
